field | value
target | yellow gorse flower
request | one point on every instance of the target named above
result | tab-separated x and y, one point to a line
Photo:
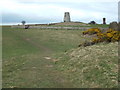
109	35
92	31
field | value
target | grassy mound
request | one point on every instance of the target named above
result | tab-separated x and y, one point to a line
92	66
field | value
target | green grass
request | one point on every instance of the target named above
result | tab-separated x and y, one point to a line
89	25
92	66
36	58
24	53
100	25
82	25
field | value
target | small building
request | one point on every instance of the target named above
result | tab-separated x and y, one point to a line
92	22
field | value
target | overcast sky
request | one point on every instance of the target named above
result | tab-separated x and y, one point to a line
49	11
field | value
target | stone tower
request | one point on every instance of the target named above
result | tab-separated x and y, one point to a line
67	17
104	20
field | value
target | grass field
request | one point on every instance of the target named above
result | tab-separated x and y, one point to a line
37	58
77	25
90	25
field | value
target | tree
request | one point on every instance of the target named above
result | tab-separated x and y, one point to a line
23	22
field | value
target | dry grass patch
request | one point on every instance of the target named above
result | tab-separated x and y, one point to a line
92	66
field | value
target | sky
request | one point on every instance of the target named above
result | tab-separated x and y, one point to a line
119	11
52	11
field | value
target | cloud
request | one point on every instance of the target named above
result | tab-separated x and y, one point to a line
119	11
53	10
67	1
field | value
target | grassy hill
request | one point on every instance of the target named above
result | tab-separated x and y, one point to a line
35	58
93	66
72	24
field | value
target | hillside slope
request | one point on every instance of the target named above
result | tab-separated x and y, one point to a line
92	66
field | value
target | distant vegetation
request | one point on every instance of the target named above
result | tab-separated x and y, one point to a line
23	22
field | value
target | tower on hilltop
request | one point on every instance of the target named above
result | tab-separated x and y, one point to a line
67	17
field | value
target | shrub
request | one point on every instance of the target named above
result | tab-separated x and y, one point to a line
92	31
109	36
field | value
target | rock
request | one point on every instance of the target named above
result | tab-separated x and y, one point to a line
114	26
119	26
86	43
48	58
26	26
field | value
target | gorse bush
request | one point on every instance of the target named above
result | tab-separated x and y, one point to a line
92	31
109	35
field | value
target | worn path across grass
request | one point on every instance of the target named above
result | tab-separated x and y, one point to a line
28	57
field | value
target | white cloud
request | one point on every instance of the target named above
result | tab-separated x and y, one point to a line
119	12
67	0
54	11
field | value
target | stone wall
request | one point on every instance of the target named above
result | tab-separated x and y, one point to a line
50	27
18	26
